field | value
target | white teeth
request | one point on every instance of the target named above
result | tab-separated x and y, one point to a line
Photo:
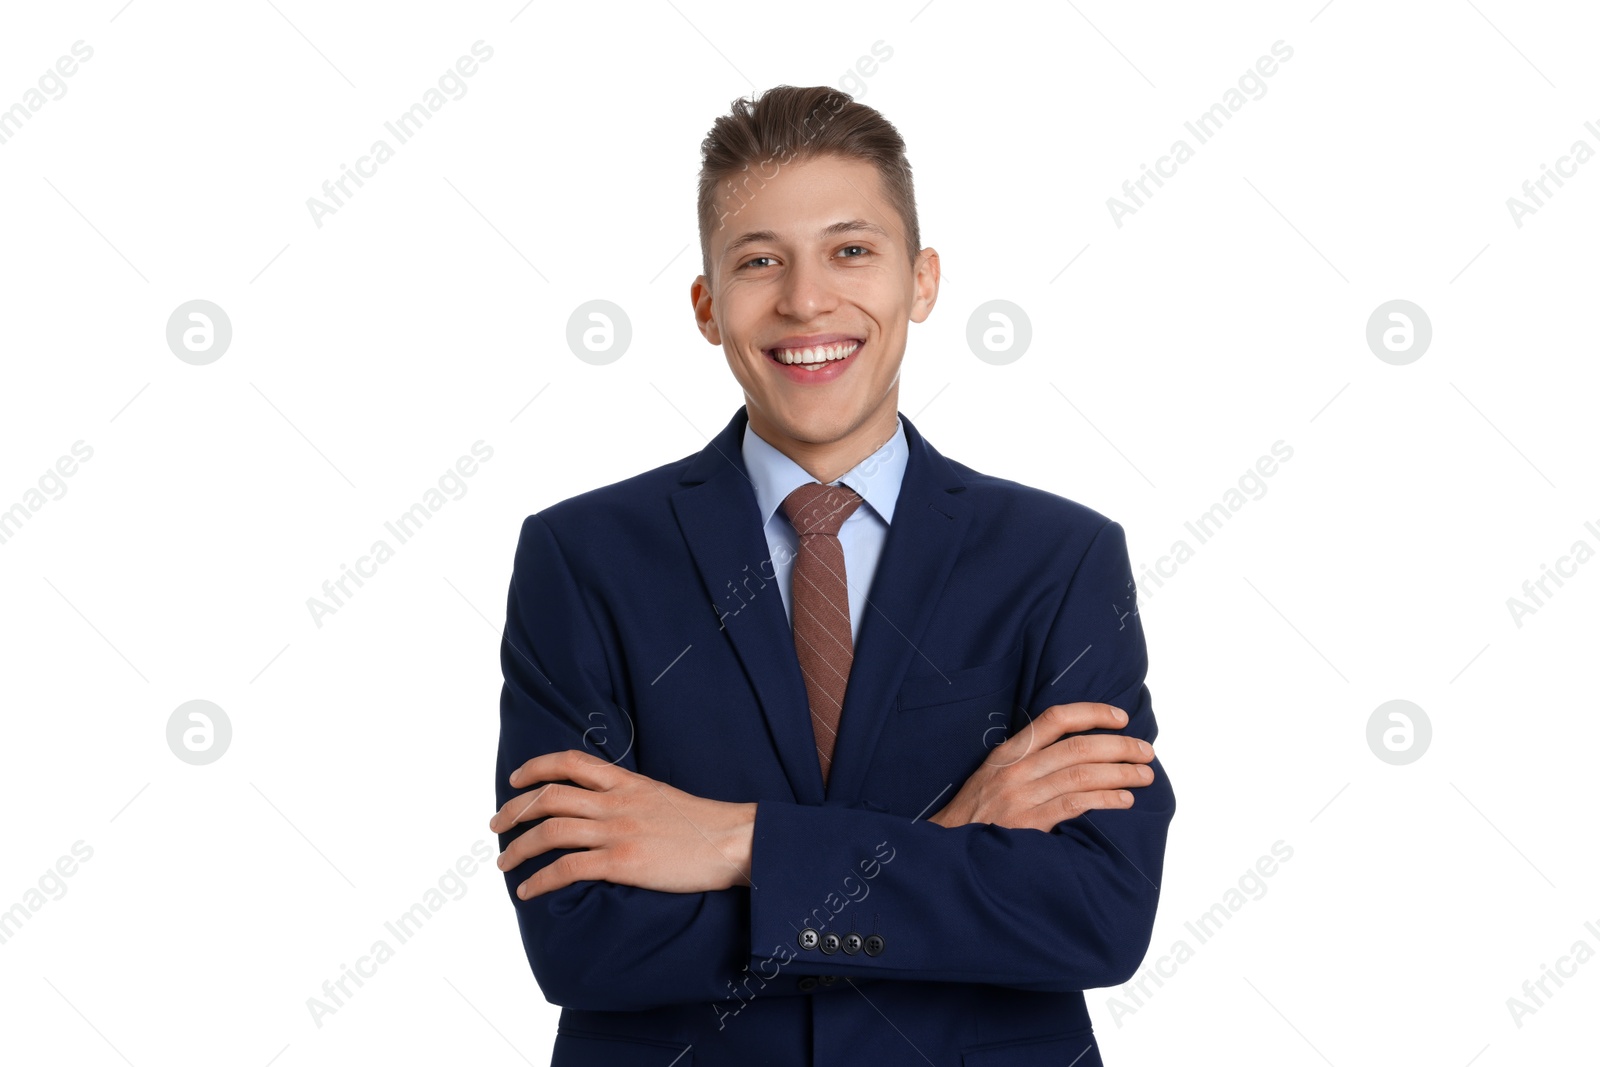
817	354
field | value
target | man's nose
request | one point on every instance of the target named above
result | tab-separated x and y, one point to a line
806	292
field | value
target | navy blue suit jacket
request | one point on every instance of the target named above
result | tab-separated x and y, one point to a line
642	625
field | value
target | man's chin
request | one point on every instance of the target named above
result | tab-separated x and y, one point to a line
814	424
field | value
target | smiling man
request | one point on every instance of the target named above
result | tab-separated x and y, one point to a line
818	747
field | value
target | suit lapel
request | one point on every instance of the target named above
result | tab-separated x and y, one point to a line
721	522
717	513
930	523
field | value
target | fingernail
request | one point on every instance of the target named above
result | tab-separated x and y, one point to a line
1127	797
1144	746
522	890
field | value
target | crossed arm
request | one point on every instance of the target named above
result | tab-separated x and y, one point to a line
634	830
657	896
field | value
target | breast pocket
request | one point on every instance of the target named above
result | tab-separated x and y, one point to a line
930	689
942	727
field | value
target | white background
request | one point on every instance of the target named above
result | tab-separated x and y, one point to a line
430	311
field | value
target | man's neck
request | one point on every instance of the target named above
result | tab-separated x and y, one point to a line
830	460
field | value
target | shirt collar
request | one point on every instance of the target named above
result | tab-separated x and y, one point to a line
876	478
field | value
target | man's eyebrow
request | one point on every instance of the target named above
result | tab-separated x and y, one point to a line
833	230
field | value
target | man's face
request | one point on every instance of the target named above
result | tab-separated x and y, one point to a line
811	266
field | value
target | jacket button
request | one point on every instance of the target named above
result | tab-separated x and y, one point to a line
829	943
851	943
808	938
874	944
808	983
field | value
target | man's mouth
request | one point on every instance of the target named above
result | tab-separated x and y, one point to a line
813	358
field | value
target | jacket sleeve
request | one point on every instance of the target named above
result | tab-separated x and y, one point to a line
1068	909
595	945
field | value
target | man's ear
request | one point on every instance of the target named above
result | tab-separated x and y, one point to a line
700	297
925	284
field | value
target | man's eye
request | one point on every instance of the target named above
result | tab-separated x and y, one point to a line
753	262
861	248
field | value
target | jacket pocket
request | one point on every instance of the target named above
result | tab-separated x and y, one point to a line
1077	1049
590	1050
932	689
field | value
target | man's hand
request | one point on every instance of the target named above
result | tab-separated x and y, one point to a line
635	830
1035	780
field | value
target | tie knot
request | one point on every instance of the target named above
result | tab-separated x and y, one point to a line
815	508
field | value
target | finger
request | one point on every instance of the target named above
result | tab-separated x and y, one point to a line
1041	757
1059	720
552	799
1093	748
1071	805
563	871
524	807
550	834
1090	777
1051	724
573	764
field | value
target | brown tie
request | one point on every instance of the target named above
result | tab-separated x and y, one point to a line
821	605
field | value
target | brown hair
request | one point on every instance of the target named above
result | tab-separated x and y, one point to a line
787	125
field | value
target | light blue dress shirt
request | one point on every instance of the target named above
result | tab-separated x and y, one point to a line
876	478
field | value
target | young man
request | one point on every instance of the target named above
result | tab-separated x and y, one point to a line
779	774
